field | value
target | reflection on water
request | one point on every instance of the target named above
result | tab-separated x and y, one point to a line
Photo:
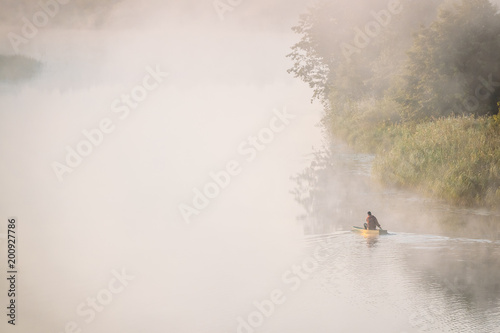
371	240
409	283
336	191
437	270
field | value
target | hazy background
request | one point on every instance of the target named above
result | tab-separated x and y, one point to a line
119	208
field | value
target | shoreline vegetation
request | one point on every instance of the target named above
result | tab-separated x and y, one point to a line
17	68
456	159
422	93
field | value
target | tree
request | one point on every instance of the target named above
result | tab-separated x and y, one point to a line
311	55
451	62
331	60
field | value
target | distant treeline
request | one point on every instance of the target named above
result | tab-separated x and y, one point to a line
390	71
63	13
20	20
16	68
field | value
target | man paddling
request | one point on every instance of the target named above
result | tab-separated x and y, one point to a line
371	222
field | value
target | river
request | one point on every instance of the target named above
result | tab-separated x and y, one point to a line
436	271
125	241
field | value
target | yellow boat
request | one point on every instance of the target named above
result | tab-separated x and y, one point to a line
363	231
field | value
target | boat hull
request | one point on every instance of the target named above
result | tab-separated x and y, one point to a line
363	231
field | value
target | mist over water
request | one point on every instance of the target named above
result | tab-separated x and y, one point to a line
118	211
119	207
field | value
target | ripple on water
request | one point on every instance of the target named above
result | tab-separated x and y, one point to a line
426	283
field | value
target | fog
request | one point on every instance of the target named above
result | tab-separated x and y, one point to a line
119	209
205	84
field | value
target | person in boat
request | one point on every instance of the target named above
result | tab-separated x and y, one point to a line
372	222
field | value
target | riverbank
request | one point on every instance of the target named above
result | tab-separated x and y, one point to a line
417	94
456	159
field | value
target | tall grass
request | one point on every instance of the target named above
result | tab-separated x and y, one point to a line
369	127
456	159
